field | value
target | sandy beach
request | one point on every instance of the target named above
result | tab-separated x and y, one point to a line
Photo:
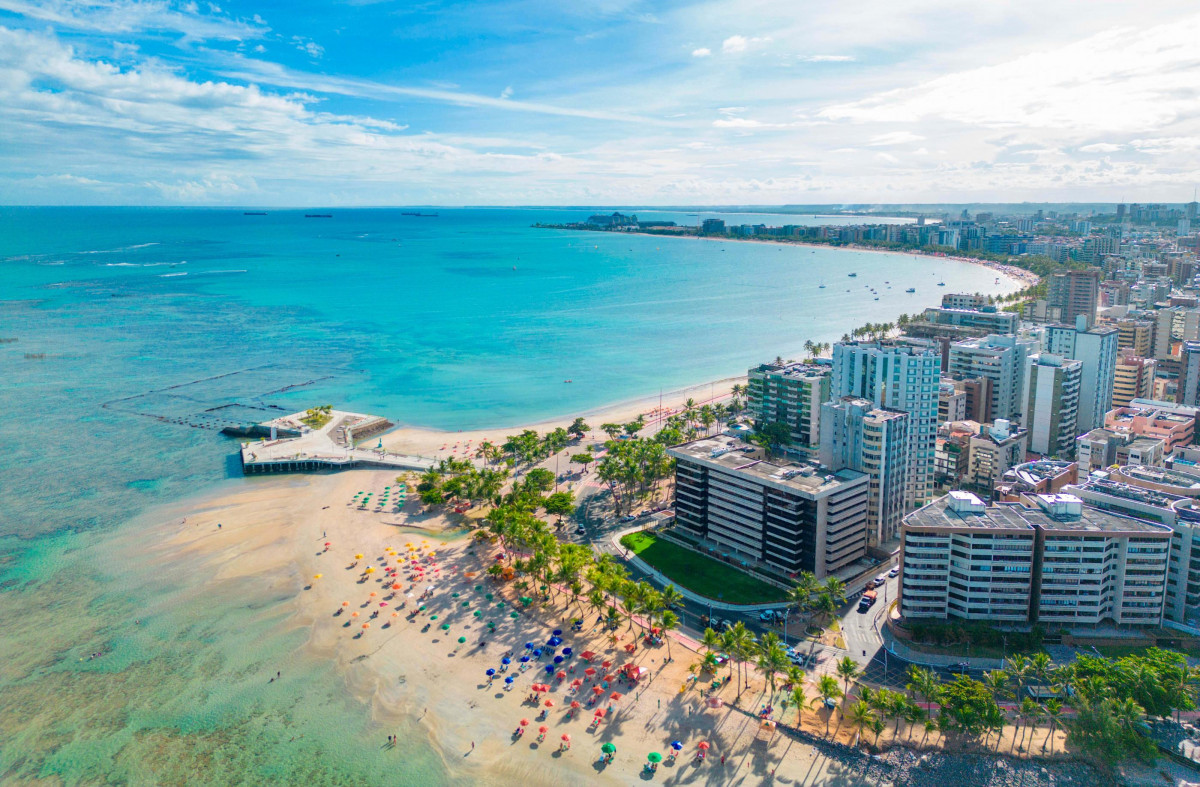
441	444
386	647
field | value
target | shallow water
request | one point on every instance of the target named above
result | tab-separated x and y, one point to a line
466	320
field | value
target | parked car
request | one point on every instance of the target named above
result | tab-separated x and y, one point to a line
798	659
628	518
581	531
895	572
767	616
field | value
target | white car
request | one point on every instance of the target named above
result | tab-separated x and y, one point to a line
895	572
879	580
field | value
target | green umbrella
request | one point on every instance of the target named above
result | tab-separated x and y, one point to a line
654	757
461	640
454	595
445	627
478	588
478	613
491	625
513	615
488	596
466	603
608	748
526	600
422	607
433	617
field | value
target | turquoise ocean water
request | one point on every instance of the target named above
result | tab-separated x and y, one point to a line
114	318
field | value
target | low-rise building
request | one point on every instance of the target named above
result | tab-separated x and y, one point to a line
1044	476
792	517
993	450
1046	560
1174	425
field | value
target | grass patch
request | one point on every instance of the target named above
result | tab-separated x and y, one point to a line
700	573
317	417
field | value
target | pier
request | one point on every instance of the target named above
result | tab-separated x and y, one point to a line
293	447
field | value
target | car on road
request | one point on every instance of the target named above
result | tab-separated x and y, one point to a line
879	580
895	572
867	600
961	666
798	659
627	518
581	531
768	616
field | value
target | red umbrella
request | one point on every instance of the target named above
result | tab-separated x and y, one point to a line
543	729
524	722
597	690
607	678
614	696
575	705
328	544
549	703
589	672
703	744
599	714
561	675
566	737
606	664
577	682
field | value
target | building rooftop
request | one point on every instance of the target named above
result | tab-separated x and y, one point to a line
798	370
729	453
1033	472
1162	476
1050	512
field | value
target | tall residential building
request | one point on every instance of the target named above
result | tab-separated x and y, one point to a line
1136	335
952	403
896	375
1052	404
789	394
1046	560
978	322
1178	513
791	517
1096	350
1188	392
992	452
1075	293
1000	359
858	435
1133	378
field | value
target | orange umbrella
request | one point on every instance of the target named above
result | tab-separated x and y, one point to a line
355	614
524	722
549	703
614	696
599	714
373	594
395	586
702	744
543	729
345	603
366	625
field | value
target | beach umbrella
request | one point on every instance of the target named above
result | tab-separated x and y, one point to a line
543	729
528	646
383	603
557	632
597	690
395	614
566	737
345	603
549	669
568	652
575	705
676	745
353	614
560	675
537	653
509	680
524	722
491	625
466	603
590	671
478	614
608	748
396	586
491	671
599	714
703	745
461	640
524	659
606	664
453	595
422	607
373	594
577	682
358	556
366	625
317	576
615	696
549	703
513	615
654	757
558	659
506	660
488	596
433	617
445	627
370	570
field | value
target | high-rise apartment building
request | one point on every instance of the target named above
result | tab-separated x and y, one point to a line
1075	293
1096	350
1188	392
896	375
1001	359
789	394
1136	335
1052	404
858	435
791	517
1048	560
1133	378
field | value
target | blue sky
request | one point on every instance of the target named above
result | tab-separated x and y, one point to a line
367	102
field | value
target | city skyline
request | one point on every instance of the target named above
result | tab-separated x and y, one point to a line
508	103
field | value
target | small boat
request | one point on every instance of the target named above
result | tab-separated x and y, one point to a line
876	299
911	289
821	287
318	215
852	275
566	381
941	284
261	213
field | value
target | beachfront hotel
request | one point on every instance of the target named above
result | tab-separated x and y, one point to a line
1047	559
791	517
791	394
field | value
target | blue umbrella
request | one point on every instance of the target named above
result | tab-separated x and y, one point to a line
528	646
537	653
558	659
506	660
549	669
509	680
557	632
524	659
676	745
568	652
491	672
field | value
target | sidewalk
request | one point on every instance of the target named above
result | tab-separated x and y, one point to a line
899	649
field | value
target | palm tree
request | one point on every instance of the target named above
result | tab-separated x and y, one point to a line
670	597
668	620
801	596
711	640
1019	670
861	715
772	659
1054	715
799	699
924	683
740	644
836	589
1025	712
847	670
997	683
827	689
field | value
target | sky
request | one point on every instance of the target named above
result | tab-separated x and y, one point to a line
597	102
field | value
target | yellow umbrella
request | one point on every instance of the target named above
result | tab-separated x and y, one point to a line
317	576
370	570
358	557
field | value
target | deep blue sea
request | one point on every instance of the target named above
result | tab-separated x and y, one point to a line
112	319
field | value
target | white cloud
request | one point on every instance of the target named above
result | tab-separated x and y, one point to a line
701	52
132	16
1102	147
827	59
894	138
1118	80
313	49
506	92
737	44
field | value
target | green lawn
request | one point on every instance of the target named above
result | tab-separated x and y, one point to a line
701	574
